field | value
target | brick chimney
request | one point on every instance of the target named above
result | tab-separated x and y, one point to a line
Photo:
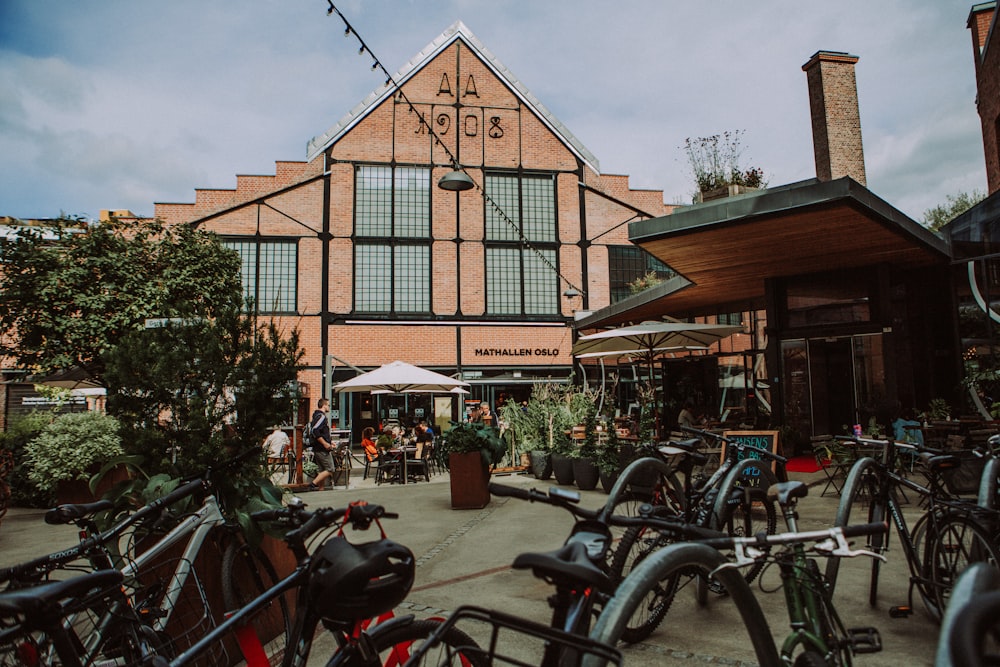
836	122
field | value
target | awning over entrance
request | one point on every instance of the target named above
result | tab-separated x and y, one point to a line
725	250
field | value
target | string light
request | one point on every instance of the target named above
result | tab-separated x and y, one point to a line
377	65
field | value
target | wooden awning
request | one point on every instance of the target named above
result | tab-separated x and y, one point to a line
725	250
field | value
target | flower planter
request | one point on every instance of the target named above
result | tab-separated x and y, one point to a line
541	464
608	480
470	479
562	468
76	491
585	473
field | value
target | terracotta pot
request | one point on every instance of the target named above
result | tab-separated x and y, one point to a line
470	479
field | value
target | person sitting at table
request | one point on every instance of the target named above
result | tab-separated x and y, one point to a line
907	429
425	438
371	449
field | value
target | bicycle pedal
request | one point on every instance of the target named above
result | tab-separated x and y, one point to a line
865	640
901	611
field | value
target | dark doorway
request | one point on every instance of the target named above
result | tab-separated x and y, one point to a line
832	381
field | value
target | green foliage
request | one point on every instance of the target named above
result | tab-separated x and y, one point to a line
186	393
938	408
716	162
73	446
466	437
937	217
21	430
67	301
644	282
310	468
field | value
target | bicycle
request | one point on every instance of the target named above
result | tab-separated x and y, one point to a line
817	637
578	569
970	634
343	585
724	501
945	539
156	578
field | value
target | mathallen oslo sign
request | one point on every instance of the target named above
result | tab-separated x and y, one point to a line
516	352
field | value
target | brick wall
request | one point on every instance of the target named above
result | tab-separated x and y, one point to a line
986	55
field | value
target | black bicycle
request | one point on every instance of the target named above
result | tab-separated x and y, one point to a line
945	539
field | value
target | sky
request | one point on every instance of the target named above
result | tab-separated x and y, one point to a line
120	104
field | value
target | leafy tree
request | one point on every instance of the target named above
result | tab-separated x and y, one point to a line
69	294
937	217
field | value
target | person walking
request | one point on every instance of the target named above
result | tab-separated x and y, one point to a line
323	449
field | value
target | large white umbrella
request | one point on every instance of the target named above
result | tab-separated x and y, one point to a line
649	338
400	377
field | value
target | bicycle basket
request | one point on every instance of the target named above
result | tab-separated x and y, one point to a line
502	639
964	480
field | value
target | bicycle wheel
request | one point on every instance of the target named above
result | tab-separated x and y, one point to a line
684	561
987	498
395	646
953	542
977	581
746	513
753	513
246	574
860	485
636	545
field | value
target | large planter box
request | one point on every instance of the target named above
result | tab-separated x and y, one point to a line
470	479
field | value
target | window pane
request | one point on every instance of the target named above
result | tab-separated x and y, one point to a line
539	208
412	278
412	202
503	281
273	283
628	263
502	189
541	286
373	197
373	278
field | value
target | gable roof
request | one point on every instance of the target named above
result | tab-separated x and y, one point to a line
457	31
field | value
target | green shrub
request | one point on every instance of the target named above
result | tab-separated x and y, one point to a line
73	446
21	430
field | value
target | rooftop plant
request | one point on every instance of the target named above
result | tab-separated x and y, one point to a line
716	162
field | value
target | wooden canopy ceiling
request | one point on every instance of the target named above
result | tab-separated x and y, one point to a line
725	251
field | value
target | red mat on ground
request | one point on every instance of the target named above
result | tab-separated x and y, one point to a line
802	464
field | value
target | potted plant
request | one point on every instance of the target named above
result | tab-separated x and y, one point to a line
585	472
471	449
70	451
609	462
309	471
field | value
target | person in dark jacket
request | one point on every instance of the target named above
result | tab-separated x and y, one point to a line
323	449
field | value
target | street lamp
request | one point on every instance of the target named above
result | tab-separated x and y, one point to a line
456	181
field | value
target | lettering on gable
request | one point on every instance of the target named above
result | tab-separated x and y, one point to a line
471	125
443	122
444	88
470	88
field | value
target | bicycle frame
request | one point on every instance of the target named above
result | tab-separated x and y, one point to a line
807	604
198	525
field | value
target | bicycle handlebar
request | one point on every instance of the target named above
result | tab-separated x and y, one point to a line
359	515
568	500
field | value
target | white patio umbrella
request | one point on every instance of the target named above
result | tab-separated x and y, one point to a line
648	338
400	377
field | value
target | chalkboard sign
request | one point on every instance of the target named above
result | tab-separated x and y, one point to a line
767	440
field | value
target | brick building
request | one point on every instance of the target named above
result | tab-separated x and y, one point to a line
358	247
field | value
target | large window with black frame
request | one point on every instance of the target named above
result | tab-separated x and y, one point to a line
392	231
629	268
521	245
269	271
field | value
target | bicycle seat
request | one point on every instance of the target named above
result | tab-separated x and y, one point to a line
69	513
783	492
570	564
42	598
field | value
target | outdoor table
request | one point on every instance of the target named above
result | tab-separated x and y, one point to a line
400	454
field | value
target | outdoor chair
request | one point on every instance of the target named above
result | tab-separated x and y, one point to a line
387	469
834	459
420	467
